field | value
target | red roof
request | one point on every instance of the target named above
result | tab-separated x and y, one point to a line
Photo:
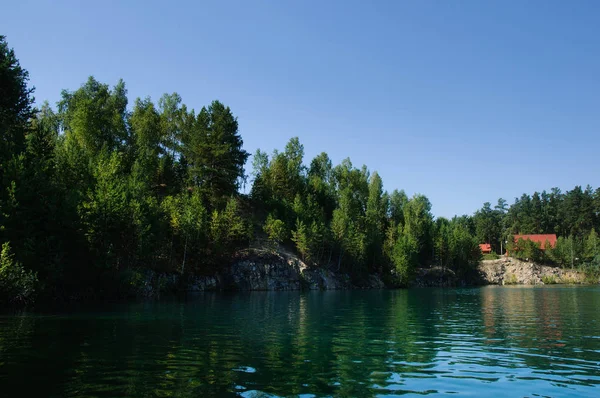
485	247
541	239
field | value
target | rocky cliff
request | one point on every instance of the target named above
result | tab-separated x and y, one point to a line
258	270
510	271
276	271
267	270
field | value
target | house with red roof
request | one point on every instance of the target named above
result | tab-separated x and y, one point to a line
486	248
539	238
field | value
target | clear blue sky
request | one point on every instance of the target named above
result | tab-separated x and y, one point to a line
463	101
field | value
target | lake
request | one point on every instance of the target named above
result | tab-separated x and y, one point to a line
515	341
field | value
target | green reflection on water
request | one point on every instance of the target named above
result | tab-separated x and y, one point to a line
542	341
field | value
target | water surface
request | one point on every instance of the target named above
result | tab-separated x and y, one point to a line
515	341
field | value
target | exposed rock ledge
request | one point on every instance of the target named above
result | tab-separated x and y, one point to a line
503	271
261	270
276	271
265	270
435	277
510	271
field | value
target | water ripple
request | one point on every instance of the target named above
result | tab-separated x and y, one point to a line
526	341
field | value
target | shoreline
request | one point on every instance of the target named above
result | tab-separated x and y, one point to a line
283	271
273	271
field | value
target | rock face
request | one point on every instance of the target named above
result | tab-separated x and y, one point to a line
503	271
256	270
203	283
271	272
279	271
510	271
268	270
435	277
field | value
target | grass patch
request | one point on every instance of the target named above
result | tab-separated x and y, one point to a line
511	279
569	280
591	273
550	280
491	256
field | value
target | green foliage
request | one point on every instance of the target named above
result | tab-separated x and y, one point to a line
375	219
567	252
510	279
396	206
16	102
94	117
115	190
104	212
229	231
550	280
405	256
490	256
592	270
275	229
347	225
488	224
301	237
418	223
146	136
591	247
187	218
441	242
528	250
455	246
570	213
213	150
93	192
279	180
16	284
464	249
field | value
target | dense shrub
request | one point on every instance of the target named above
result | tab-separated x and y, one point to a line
16	284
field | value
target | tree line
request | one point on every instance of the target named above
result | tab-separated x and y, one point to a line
574	216
95	191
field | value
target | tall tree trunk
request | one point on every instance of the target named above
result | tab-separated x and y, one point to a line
171	250
184	255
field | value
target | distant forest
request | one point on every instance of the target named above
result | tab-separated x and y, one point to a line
94	191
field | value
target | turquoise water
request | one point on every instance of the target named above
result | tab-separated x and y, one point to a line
507	341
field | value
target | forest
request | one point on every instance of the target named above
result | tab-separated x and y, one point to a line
94	190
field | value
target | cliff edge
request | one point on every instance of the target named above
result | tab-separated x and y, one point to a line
510	271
